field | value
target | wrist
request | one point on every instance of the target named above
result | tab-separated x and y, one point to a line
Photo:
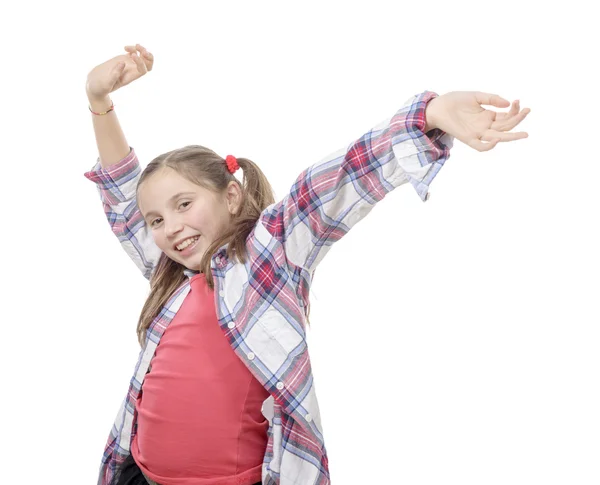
99	104
429	116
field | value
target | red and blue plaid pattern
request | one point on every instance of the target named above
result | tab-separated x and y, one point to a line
261	304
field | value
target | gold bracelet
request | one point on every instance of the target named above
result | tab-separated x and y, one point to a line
112	106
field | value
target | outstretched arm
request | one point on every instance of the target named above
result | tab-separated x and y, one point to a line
332	196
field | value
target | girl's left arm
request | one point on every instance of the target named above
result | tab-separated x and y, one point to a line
332	196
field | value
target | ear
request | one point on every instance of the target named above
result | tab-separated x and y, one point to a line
234	197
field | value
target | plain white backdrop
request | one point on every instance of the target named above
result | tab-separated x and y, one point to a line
452	341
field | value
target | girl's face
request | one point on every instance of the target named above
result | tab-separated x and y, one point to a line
176	209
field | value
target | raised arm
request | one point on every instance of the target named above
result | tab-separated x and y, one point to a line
117	168
110	139
329	198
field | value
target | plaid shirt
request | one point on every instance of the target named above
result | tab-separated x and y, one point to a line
261	304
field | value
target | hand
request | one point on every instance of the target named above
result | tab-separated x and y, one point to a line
118	72
459	113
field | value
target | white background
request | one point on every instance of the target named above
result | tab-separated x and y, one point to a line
452	341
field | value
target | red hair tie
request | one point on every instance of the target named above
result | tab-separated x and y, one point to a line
232	164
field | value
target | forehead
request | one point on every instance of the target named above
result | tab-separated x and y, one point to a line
158	189
166	179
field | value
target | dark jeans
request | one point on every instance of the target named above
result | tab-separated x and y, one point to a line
132	475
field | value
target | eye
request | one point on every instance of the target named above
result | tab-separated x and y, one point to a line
158	219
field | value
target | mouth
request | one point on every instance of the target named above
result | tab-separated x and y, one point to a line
189	249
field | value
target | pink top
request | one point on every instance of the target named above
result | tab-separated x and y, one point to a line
198	386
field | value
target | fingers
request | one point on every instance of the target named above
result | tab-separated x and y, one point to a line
493	134
149	58
483	147
511	119
493	138
514	109
146	56
141	67
491	99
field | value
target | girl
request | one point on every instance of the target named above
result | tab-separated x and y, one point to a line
230	272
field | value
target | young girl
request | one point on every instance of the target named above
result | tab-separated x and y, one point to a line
223	392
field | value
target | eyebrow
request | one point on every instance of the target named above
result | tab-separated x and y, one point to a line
170	201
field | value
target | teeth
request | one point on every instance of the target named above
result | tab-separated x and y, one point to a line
186	243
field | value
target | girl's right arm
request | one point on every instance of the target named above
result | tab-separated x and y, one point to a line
110	139
117	169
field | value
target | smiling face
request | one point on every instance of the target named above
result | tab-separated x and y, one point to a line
175	209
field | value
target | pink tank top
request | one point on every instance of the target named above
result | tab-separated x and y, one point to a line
199	419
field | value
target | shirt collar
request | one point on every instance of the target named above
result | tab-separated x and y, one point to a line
220	257
190	272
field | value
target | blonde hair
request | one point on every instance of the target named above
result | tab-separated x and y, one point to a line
202	166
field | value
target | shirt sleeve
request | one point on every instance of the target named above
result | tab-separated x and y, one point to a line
116	186
332	196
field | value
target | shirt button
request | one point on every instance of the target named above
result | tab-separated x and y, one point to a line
221	293
251	355
427	196
279	385
231	324
308	417
218	260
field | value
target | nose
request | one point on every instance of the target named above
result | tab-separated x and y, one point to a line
172	227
